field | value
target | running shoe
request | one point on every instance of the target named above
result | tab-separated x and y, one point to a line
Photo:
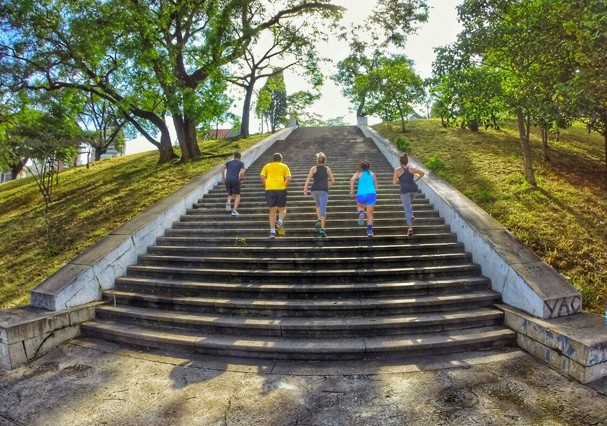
323	233
369	233
235	213
361	218
272	235
318	223
280	228
228	206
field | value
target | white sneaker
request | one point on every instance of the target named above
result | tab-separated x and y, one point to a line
235	213
228	206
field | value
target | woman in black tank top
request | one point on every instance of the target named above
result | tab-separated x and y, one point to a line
407	177
323	180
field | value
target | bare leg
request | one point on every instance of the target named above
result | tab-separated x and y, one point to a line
272	217
370	211
236	201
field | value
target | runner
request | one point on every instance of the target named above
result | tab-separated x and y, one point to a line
276	176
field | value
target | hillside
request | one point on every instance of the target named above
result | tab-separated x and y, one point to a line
563	220
89	203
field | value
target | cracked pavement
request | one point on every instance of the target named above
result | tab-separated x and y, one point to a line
93	382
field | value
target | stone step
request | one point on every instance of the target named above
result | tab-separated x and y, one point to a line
305	307
308	214
306	275
312	240
312	290
335	223
245	230
284	263
300	251
319	327
353	348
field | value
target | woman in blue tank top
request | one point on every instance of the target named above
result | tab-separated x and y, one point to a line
366	194
407	177
323	180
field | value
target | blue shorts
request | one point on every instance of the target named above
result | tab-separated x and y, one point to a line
367	199
276	198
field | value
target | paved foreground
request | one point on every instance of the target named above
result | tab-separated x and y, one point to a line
89	382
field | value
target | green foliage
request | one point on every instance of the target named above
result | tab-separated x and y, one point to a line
403	144
272	103
435	164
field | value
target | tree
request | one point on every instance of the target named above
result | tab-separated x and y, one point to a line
273	101
291	47
46	133
385	29
466	90
588	27
103	124
298	104
393	88
151	58
525	41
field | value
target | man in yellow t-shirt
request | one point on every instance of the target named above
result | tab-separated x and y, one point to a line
276	176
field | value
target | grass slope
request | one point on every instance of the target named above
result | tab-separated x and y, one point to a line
563	220
89	204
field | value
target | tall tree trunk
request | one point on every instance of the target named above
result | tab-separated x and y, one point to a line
246	110
165	147
524	138
605	137
186	134
18	168
545	143
99	152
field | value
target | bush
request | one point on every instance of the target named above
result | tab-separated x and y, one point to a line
403	144
435	164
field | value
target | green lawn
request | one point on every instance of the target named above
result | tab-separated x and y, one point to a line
563	220
89	203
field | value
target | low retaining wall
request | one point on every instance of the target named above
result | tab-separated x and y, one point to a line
524	280
72	291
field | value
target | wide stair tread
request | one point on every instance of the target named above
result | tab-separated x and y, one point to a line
348	348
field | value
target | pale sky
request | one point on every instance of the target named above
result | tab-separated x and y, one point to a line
441	29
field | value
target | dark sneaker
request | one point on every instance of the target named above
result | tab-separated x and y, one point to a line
369	233
318	223
323	233
280	229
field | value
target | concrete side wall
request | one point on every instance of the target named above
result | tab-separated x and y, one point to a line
524	280
575	345
28	332
83	279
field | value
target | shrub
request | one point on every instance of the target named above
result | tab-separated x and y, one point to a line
435	164
403	144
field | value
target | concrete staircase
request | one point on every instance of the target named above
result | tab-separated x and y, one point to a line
215	284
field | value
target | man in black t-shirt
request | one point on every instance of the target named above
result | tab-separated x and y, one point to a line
232	172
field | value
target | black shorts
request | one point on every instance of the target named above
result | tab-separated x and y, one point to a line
233	187
276	198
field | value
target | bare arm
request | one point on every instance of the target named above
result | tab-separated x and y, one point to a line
331	178
353	179
395	176
310	174
223	172
420	174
